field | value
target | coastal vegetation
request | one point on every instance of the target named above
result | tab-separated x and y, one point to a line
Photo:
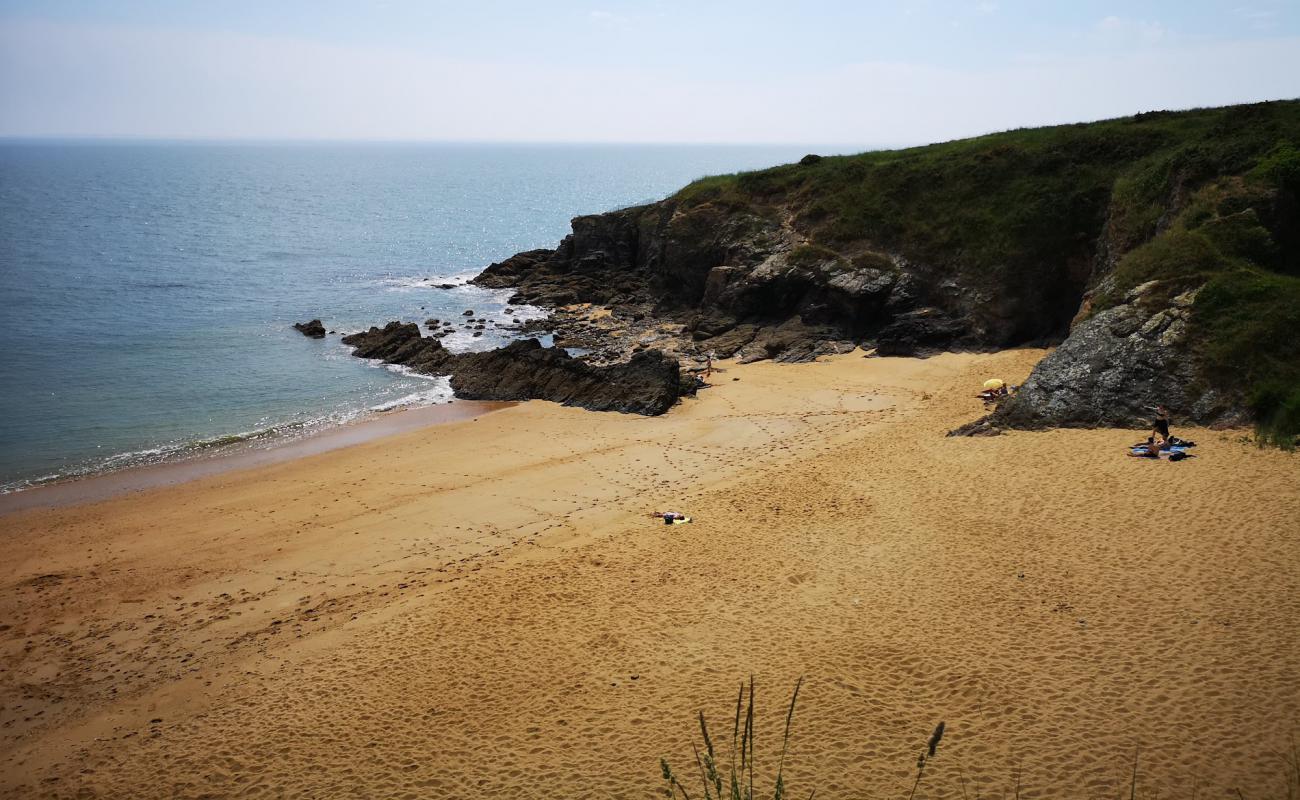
734	780
1206	200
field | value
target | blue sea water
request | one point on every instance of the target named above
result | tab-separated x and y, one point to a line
147	289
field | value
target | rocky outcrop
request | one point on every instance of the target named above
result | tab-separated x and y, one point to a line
313	329
401	343
736	278
649	383
1114	367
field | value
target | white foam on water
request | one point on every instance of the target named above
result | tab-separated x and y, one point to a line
18	486
407	372
437	395
407	282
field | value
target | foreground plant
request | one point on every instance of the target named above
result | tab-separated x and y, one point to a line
739	772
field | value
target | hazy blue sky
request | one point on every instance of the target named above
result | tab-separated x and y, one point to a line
865	73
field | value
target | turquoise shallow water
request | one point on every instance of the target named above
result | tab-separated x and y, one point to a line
147	289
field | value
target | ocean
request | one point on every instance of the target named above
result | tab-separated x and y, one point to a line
147	290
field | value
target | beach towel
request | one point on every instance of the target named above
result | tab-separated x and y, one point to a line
1173	454
1177	448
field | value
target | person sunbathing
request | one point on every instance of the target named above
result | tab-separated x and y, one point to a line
1151	450
671	517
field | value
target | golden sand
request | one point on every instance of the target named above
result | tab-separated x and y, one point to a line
484	608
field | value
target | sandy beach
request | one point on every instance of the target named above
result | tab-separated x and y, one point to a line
484	608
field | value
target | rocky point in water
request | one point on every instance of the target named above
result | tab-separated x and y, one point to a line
313	329
650	382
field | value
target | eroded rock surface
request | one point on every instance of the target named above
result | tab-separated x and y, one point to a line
1112	368
650	382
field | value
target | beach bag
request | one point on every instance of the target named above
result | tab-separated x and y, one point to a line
1179	456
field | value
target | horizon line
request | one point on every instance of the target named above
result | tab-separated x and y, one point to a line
163	139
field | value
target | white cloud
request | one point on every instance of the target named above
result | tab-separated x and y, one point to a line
1125	32
1259	19
986	8
609	19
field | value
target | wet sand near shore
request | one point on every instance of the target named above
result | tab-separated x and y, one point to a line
485	609
255	454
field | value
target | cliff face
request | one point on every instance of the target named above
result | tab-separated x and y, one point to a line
742	281
1025	237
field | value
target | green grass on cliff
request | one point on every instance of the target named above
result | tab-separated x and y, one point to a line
1205	197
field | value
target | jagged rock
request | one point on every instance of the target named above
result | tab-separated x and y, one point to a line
650	383
710	325
981	427
524	370
727	344
714	268
313	329
511	272
401	343
920	332
1112	369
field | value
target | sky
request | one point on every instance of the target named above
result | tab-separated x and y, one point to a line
860	73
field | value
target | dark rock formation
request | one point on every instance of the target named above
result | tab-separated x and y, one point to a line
716	270
650	383
401	343
313	329
980	427
1114	367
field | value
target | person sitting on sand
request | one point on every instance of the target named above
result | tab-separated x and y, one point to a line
1152	449
994	395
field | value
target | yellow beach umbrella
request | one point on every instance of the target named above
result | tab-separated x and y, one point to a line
993	383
